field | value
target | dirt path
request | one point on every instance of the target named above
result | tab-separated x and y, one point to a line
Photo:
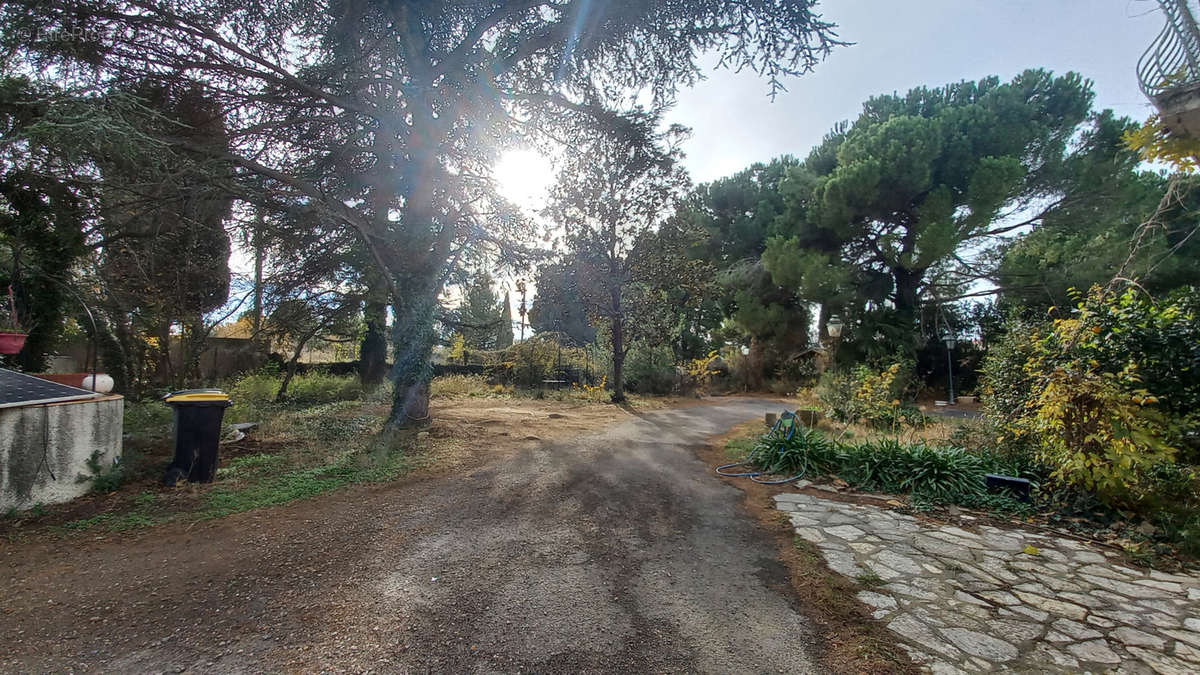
615	551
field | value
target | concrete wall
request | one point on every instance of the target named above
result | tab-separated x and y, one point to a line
221	358
44	449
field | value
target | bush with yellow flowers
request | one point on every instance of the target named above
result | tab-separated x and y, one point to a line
870	395
1107	394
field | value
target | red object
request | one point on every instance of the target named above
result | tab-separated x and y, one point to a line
69	379
11	343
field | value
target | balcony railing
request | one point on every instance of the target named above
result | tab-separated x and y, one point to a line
1172	63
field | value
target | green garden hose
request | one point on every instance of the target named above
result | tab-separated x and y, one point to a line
792	421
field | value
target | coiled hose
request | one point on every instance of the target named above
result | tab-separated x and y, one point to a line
792	423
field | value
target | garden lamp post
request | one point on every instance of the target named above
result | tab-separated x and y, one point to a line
834	327
950	341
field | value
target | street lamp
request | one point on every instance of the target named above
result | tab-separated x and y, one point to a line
834	326
950	341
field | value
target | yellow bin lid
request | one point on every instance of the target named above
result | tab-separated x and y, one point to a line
197	396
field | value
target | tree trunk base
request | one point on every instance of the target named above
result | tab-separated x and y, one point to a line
410	407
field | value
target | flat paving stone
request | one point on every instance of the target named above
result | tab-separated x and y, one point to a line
961	601
847	532
993	650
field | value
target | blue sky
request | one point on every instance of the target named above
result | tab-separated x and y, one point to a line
900	45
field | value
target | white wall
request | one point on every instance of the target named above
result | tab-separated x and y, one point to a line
44	449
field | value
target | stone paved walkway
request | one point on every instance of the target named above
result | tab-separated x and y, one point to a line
1004	600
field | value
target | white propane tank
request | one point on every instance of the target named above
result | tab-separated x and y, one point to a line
104	383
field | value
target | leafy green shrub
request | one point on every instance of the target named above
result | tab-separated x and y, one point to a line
1106	394
256	388
529	362
1171	494
318	387
836	390
107	478
990	435
1006	385
650	369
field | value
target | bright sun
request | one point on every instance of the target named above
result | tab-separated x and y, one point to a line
524	176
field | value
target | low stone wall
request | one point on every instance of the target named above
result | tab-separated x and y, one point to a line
44	449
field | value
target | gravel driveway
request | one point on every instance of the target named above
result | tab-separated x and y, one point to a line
616	551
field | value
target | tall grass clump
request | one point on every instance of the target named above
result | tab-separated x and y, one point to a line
469	386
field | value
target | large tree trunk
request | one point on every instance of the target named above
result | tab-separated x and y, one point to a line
257	243
281	394
417	268
907	284
755	369
618	347
114	357
412	347
908	302
191	347
164	372
372	352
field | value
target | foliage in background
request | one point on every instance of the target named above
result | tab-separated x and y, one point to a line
882	212
43	208
467	386
612	195
385	120
542	357
650	369
479	386
480	317
704	372
559	307
1144	229
737	215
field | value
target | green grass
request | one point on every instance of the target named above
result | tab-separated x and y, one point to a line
806	549
468	386
307	450
382	458
114	522
252	482
740	447
338	444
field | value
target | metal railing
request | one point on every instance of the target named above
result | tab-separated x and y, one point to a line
1173	60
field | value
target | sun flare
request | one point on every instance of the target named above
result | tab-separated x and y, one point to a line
524	177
